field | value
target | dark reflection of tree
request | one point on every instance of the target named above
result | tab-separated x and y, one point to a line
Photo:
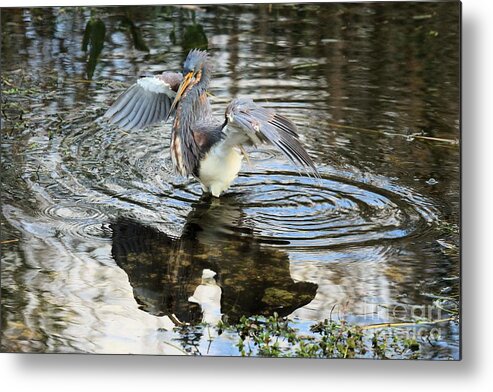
192	33
234	55
135	33
13	36
194	37
44	21
94	36
164	272
93	40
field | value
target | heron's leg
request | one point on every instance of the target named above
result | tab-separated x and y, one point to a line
216	189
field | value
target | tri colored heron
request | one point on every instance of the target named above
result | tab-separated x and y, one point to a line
209	149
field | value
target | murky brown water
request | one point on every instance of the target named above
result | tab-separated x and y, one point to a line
102	246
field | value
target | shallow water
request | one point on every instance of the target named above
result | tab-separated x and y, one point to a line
103	246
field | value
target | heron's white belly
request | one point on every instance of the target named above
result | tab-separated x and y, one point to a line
219	168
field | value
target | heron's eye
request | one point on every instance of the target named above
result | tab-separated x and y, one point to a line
198	75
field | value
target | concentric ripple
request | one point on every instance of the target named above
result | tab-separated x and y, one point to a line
331	211
102	173
73	213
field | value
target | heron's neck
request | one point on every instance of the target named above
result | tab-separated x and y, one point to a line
193	108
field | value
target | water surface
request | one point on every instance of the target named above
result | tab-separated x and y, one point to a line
103	246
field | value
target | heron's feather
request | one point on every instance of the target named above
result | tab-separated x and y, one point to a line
249	123
146	102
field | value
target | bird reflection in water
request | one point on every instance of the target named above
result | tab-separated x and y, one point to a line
217	267
208	296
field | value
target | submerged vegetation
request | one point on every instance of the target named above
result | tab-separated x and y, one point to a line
277	336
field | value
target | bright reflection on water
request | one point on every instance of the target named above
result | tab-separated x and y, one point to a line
105	249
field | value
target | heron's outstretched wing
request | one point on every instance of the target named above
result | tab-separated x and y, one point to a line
146	102
247	123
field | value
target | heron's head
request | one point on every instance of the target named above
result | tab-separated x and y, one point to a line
195	62
195	72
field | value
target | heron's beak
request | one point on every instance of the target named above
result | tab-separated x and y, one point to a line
187	79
